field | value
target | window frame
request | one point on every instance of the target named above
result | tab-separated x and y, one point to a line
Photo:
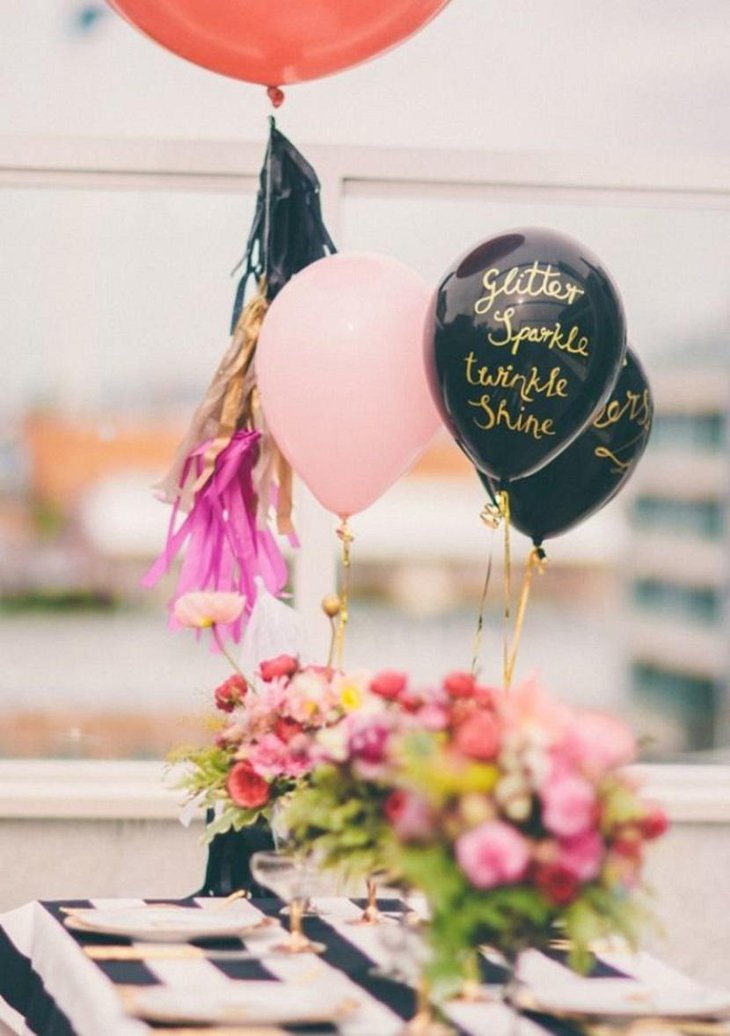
74	789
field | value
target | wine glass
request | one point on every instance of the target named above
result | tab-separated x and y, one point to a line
293	878
284	843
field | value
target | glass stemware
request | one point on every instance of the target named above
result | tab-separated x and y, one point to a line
371	914
283	843
293	878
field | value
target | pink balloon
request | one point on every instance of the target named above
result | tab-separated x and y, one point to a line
341	375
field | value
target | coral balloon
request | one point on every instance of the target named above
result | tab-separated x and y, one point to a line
341	375
278	41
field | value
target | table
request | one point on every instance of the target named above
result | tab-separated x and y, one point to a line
50	986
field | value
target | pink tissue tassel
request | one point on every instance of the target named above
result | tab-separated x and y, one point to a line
225	548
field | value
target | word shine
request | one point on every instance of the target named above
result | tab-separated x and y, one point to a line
493	417
551	337
536	281
506	377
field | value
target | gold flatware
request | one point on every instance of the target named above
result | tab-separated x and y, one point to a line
227	1031
167	951
647	1026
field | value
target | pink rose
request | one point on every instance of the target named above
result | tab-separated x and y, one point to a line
286	728
459	685
432	716
528	704
368	740
582	855
410	816
267	756
478	736
596	742
388	684
492	854
569	806
282	665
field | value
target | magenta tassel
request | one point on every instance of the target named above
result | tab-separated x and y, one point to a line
225	548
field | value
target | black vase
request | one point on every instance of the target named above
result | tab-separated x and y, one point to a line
229	859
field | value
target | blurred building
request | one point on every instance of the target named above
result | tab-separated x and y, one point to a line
680	560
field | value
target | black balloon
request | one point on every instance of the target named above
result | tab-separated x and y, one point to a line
524	343
592	470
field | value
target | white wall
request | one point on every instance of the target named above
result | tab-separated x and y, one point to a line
545	74
58	859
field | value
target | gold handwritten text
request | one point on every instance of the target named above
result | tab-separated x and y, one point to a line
551	337
635	407
528	424
506	377
533	282
605	454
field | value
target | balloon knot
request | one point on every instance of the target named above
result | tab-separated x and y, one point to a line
276	95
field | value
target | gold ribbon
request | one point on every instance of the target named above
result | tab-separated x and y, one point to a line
240	399
491	517
535	563
503	504
338	642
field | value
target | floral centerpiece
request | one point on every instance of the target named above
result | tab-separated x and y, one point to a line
262	746
517	818
341	813
346	811
512	812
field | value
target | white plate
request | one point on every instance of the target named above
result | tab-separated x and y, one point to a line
164	924
624	998
241	1003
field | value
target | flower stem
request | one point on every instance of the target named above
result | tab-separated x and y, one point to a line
224	651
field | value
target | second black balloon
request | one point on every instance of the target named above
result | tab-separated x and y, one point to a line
591	471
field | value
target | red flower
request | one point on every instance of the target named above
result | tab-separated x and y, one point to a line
484	696
245	787
655	823
559	885
410	701
394	805
286	728
627	842
388	684
478	736
230	693
459	685
282	665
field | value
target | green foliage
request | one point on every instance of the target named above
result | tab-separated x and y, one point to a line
620	805
462	917
437	775
204	779
340	818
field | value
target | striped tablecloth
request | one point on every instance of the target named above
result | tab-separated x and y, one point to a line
50	986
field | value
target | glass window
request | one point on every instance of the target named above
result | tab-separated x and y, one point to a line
115	312
422	602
